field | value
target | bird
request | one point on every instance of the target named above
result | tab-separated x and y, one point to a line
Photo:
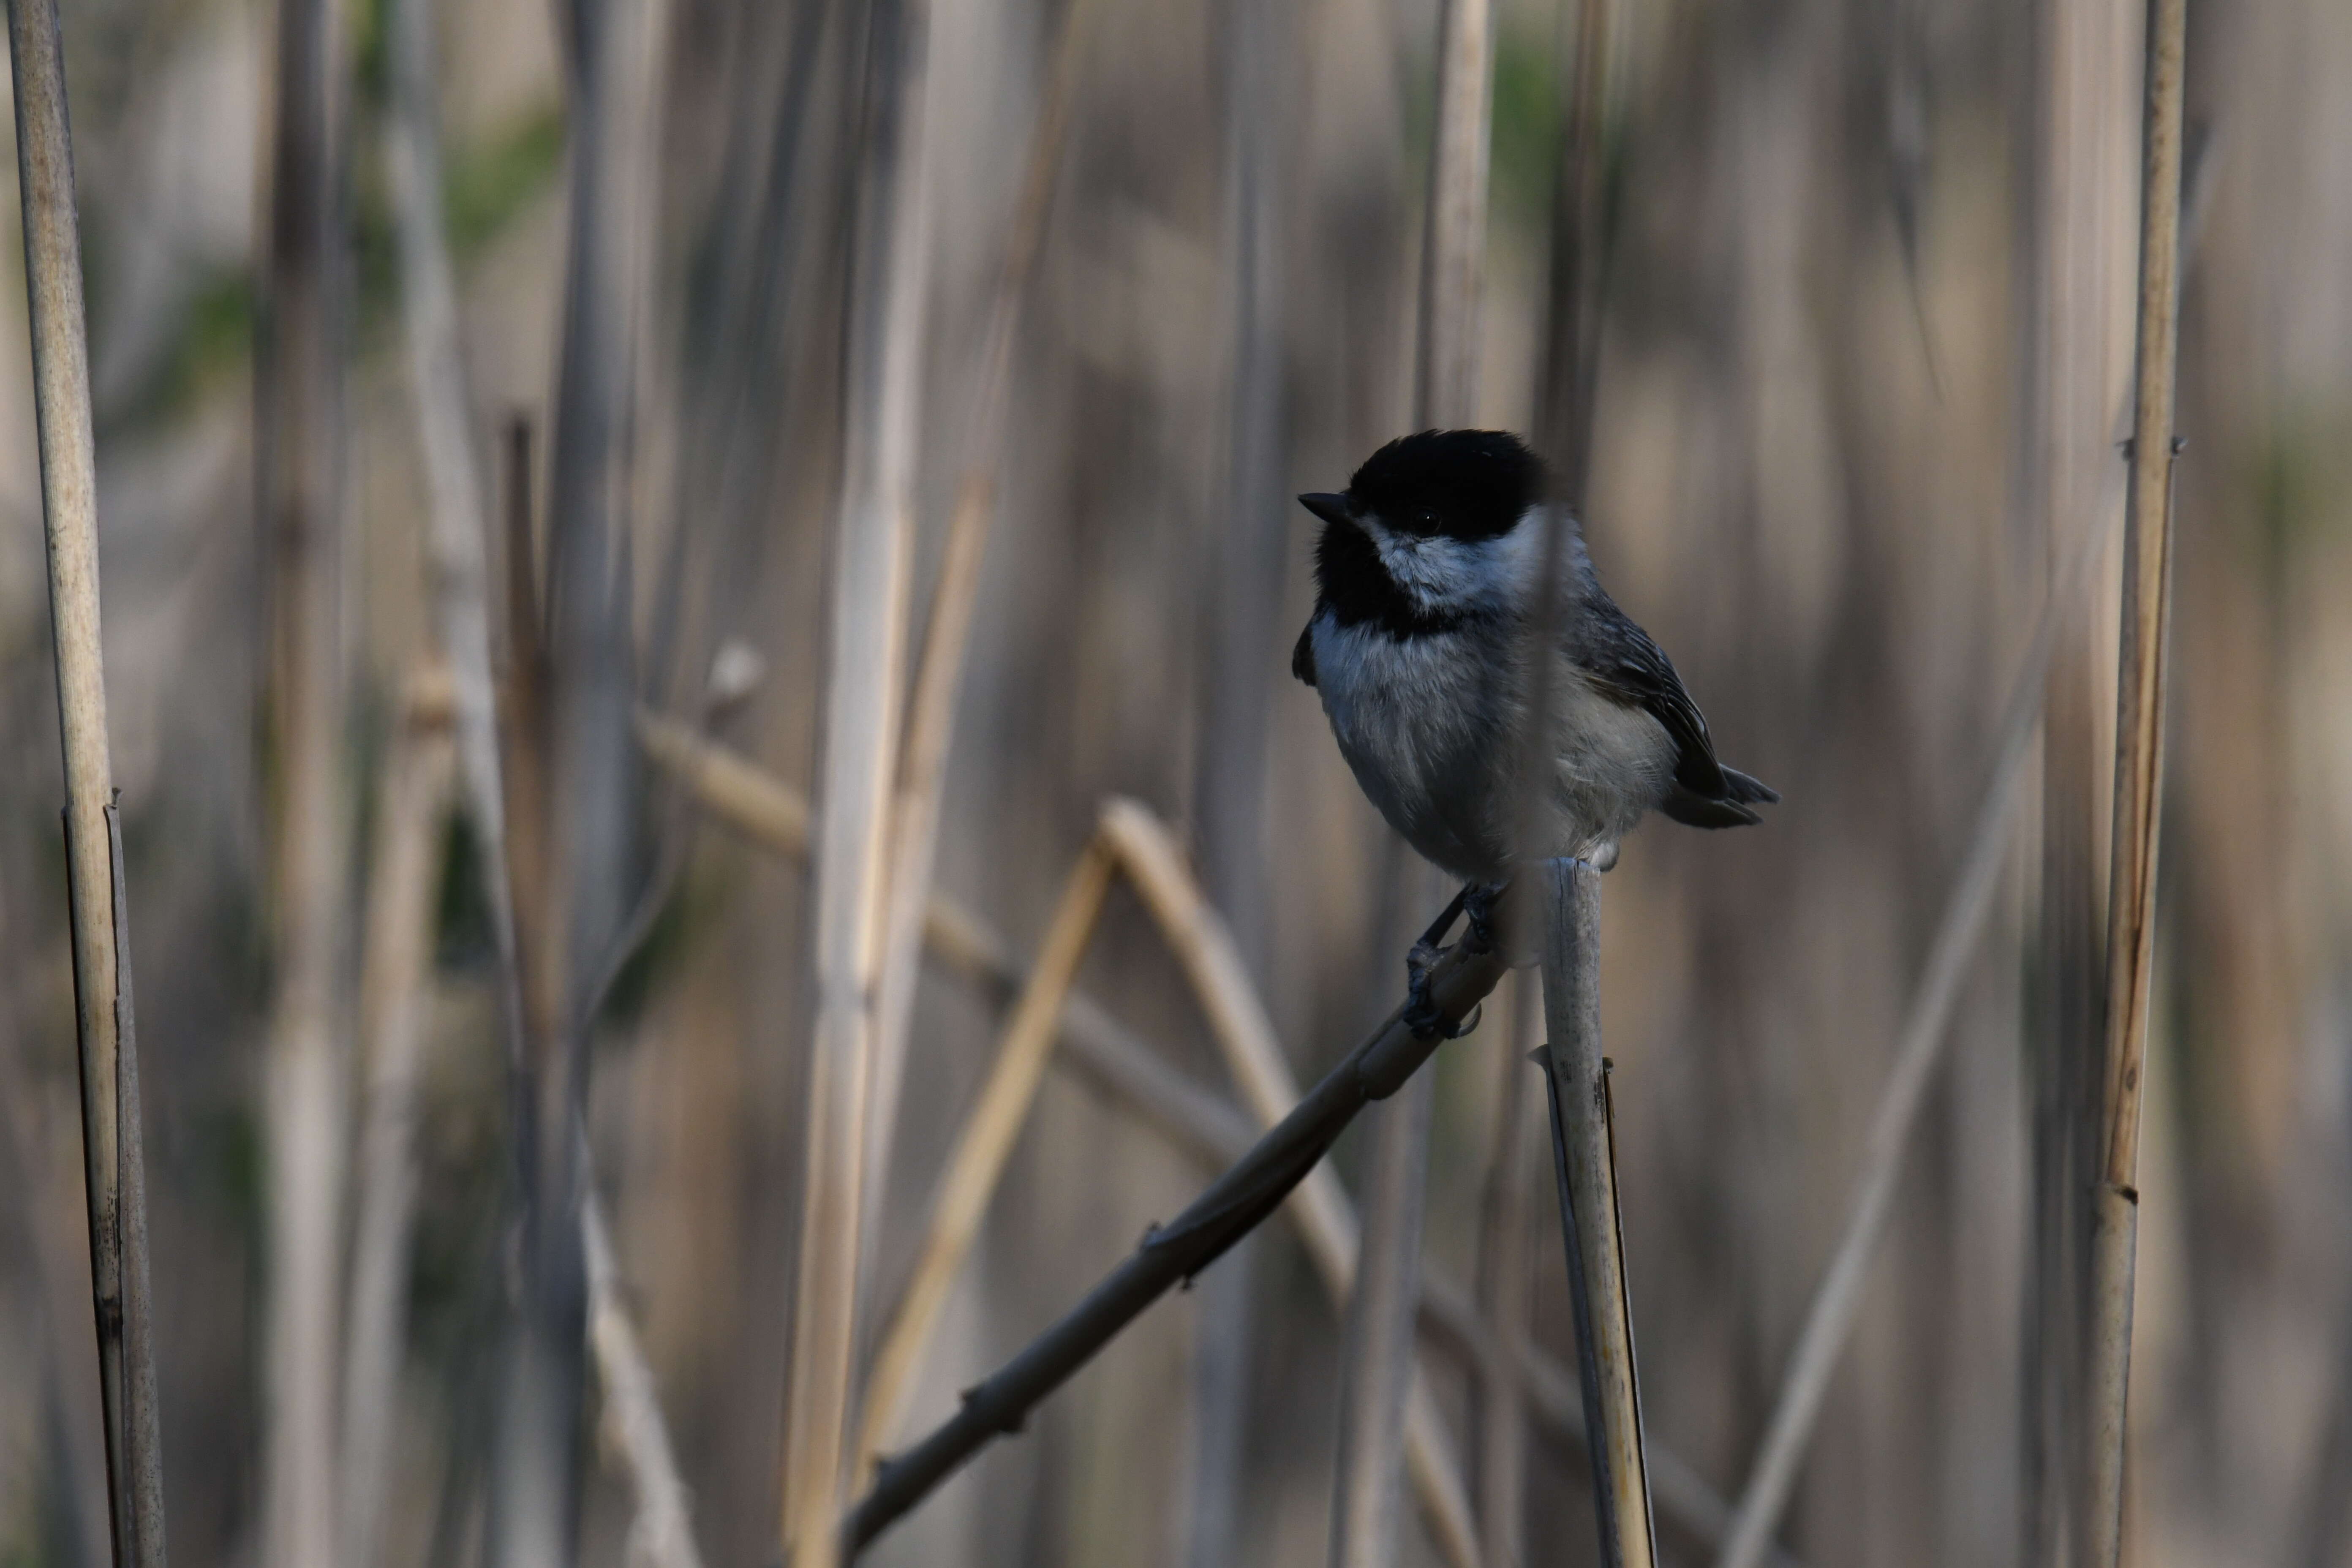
1429	575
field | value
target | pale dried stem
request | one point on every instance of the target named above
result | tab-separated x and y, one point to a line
303	503
2139	774
960	1200
862	712
932	706
114	1178
1585	1162
770	813
396	992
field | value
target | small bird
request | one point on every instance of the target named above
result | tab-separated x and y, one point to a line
1428	578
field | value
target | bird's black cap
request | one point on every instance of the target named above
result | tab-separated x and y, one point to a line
1463	484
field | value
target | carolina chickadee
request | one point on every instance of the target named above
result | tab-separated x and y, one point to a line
1427	575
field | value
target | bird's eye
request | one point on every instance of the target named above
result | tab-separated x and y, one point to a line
1427	519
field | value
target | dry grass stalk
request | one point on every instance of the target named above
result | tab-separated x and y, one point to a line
770	812
662	1534
1453	237
1585	1158
115	1179
300	486
1579	257
861	736
2139	772
960	1200
395	978
931	704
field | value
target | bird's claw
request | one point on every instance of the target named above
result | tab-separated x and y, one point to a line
1421	1015
1479	905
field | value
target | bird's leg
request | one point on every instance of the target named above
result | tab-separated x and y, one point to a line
1480	903
1420	1015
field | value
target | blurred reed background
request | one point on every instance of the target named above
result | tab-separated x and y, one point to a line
805	303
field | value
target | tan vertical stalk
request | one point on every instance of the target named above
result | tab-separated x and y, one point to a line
301	488
1578	257
1585	1161
396	979
931	703
861	734
2139	772
113	1169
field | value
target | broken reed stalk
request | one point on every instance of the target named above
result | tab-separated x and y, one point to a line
1232	1206
2139	773
301	488
931	704
861	734
1584	1159
662	1534
112	1168
1102	1050
1245	1036
395	980
960	1199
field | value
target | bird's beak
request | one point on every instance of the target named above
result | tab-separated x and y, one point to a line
1330	507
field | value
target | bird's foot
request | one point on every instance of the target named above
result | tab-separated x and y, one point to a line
1480	904
1421	1015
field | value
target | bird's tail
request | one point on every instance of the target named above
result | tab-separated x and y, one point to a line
1734	807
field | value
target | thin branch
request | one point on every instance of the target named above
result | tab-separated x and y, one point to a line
396	976
115	1179
960	1200
1585	1158
932	706
1232	1206
852	898
662	1534
2139	772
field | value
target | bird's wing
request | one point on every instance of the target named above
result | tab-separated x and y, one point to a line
1625	665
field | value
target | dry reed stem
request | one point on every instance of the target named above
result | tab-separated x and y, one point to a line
114	1179
2139	771
1579	259
931	705
1245	1036
862	720
1585	1161
1454	235
396	979
307	1075
770	813
662	1534
960	1200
